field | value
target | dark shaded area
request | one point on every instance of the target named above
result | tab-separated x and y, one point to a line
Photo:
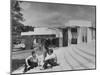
16	63
15	74
65	37
74	41
74	35
55	42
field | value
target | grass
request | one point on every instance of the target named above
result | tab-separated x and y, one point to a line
16	63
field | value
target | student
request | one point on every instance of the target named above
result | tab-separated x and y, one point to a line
40	56
31	62
50	59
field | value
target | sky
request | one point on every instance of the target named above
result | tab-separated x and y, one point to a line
55	15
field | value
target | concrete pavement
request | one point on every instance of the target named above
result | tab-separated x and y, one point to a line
74	57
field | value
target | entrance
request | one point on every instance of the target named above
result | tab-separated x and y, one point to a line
74	35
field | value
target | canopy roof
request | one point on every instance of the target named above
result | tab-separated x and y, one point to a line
43	31
38	31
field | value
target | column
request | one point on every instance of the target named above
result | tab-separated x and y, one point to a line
60	42
69	36
89	35
60	38
79	35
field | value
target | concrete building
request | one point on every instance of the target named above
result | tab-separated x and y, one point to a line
74	32
39	35
79	31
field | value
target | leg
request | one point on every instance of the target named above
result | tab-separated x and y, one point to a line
26	66
45	64
52	62
25	69
35	64
32	65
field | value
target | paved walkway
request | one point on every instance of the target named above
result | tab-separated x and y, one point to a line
74	57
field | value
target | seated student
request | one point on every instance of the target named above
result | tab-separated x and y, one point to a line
50	59
40	55
40	59
31	62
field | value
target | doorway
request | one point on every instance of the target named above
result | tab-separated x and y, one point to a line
74	35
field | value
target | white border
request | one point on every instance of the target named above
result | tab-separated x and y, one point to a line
5	37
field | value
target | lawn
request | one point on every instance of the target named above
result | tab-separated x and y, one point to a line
16	63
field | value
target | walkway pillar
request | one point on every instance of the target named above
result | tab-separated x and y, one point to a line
89	35
79	35
60	38
69	36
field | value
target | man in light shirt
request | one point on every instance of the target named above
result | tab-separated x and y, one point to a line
50	59
31	62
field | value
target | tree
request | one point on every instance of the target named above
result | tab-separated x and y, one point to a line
16	17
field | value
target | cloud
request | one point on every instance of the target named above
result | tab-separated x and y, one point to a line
42	14
25	5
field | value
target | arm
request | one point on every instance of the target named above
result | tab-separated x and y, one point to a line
50	57
27	61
